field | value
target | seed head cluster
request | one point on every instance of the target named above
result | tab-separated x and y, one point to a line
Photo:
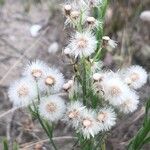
115	92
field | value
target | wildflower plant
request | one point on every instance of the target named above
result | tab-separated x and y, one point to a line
96	96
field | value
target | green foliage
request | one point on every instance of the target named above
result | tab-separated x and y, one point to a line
99	13
143	135
6	145
2	2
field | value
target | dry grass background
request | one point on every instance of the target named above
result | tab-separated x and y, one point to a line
17	47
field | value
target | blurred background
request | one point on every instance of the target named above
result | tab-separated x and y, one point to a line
34	29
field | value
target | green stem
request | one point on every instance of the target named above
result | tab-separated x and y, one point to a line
103	146
38	93
48	134
84	82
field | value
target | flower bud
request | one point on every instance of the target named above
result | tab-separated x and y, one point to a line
91	20
75	14
67	9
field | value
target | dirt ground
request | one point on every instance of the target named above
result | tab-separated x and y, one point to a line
17	47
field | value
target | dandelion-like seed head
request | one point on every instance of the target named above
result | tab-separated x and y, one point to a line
92	23
82	44
35	69
88	125
114	89
73	113
130	104
22	92
106	118
135	76
52	107
107	42
52	81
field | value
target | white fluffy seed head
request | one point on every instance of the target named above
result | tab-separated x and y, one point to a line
34	30
88	125
73	114
53	48
130	104
82	44
145	15
92	23
52	81
22	92
114	89
106	118
73	15
135	76
107	42
112	43
52	108
35	69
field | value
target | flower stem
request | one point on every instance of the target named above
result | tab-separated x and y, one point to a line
103	145
48	134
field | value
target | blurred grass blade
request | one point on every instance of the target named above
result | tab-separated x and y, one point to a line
141	138
15	146
5	145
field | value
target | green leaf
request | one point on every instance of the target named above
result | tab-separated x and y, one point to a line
5	145
147	115
141	137
15	146
146	141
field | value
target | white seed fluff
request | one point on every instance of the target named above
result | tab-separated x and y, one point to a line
130	104
106	118
52	81
135	76
52	108
145	15
82	44
53	48
73	113
114	89
22	92
88	125
35	69
34	30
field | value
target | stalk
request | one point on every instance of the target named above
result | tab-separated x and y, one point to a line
48	134
84	82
